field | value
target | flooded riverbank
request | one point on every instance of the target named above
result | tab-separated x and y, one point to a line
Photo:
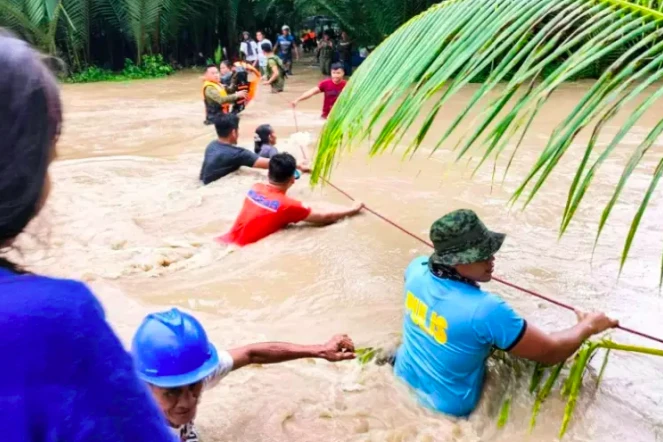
128	215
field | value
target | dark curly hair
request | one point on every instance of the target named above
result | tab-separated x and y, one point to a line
30	123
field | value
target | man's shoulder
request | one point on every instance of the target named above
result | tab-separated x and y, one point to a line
219	145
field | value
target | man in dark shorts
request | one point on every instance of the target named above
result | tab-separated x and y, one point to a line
331	87
223	157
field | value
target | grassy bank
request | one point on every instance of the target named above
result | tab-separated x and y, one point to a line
151	66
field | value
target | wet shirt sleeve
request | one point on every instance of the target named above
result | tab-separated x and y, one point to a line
246	158
497	324
214	95
296	211
225	366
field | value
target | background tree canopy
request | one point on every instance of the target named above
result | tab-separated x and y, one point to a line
106	32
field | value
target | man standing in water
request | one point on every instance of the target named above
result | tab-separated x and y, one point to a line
267	209
345	53
262	59
325	53
223	157
175	358
286	44
451	325
331	87
215	96
275	71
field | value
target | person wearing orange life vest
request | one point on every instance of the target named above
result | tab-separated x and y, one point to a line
241	82
215	96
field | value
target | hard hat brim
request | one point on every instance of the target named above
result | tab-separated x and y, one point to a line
192	377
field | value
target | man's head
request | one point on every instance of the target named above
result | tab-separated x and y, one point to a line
337	72
178	404
174	357
282	168
326	36
212	73
344	35
225	68
285	30
464	243
227	127
260	36
266	48
246	36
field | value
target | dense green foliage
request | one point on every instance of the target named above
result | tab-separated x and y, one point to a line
532	47
152	66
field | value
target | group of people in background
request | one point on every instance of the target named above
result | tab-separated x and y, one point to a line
329	49
258	52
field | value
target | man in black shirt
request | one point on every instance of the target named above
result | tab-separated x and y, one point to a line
222	156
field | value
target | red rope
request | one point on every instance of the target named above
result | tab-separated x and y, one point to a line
500	280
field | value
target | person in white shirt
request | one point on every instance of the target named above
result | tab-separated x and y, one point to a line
249	50
174	357
262	59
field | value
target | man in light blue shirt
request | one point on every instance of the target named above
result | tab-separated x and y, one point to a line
451	325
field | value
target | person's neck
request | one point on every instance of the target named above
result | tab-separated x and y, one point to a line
226	140
281	186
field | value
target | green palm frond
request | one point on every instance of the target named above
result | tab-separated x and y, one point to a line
529	48
36	20
79	15
14	17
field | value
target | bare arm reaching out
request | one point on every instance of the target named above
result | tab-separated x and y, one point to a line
263	163
331	216
338	348
306	95
554	348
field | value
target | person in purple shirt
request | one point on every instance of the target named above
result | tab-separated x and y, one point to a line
65	376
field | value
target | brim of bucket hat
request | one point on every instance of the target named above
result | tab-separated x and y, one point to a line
482	251
192	377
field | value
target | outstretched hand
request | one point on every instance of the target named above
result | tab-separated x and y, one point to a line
339	348
304	167
598	322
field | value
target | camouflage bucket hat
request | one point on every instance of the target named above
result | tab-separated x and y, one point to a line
460	237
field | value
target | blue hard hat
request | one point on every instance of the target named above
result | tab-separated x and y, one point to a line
171	349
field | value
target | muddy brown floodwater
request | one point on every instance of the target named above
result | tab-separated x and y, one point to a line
128	215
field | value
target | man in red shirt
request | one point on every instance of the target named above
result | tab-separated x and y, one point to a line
331	87
267	209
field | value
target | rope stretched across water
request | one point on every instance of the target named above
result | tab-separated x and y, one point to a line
495	278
